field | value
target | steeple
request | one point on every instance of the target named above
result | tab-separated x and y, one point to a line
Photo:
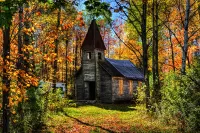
93	39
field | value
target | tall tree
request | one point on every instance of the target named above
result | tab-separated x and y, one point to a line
145	52
156	81
56	49
5	79
186	38
7	9
20	62
135	12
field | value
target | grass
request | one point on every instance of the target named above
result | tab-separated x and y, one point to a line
105	118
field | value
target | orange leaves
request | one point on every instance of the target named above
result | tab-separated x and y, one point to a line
69	58
38	13
4	88
67	26
80	19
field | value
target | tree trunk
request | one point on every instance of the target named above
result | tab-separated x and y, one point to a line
27	40
145	53
56	50
156	81
5	79
75	61
66	67
172	50
108	43
185	47
20	42
20	64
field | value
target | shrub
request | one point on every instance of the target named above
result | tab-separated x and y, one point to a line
181	99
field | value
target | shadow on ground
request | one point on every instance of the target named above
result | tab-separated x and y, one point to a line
118	107
88	124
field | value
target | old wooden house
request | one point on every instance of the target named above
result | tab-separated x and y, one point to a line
103	79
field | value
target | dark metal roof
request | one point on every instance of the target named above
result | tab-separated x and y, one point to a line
93	38
123	68
110	69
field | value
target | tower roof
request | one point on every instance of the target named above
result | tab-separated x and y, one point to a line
93	38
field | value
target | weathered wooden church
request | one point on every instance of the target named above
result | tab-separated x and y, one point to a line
103	79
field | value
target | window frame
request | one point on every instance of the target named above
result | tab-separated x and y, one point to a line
89	55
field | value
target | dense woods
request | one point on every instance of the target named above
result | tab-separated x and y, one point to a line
40	42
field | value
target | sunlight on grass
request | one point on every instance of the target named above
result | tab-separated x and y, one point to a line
106	118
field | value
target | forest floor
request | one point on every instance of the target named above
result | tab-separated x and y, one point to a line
106	118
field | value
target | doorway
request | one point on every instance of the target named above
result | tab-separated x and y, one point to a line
92	93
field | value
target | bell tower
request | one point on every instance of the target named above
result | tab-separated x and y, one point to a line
92	52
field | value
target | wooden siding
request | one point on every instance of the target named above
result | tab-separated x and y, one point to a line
106	87
88	66
79	87
125	94
98	73
90	72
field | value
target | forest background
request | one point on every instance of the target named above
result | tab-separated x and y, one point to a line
41	40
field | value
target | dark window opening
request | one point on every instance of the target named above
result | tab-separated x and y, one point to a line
99	56
89	56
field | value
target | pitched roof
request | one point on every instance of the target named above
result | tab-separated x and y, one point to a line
110	69
93	38
122	68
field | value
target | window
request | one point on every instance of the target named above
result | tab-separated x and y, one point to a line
99	56
121	86
130	87
89	55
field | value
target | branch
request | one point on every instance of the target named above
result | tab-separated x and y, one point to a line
130	20
133	49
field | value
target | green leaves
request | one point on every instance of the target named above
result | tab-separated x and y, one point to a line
97	9
50	1
7	9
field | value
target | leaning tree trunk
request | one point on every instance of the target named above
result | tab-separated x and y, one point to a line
6	79
185	47
145	53
172	50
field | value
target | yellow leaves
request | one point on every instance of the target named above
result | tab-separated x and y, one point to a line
10	99
28	85
29	31
13	112
47	58
59	60
14	121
